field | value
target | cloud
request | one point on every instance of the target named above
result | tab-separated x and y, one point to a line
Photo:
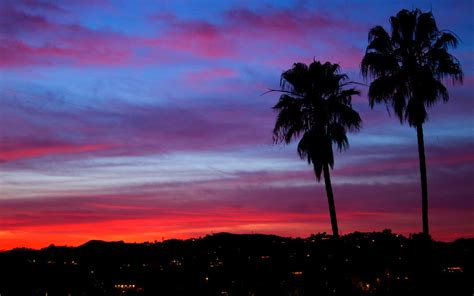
240	203
32	37
268	36
120	127
195	78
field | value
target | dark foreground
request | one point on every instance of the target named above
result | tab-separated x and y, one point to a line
227	264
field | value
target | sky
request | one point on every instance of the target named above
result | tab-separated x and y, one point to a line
145	120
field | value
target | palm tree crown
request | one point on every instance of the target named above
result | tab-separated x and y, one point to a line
315	106
409	65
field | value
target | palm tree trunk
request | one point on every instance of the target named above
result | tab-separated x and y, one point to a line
332	208
424	181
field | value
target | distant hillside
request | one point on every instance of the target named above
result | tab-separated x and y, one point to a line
379	263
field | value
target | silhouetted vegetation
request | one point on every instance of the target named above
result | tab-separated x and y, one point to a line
316	106
408	67
379	263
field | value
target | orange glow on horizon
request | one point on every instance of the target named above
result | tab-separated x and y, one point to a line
193	226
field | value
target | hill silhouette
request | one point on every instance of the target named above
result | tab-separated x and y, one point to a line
378	263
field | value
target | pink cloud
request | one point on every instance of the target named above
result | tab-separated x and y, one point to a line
124	128
288	25
242	35
246	35
399	163
196	37
17	53
36	151
56	43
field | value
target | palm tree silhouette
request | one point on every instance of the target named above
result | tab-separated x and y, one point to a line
315	105
408	68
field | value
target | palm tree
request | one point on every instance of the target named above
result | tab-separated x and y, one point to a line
315	105
408	68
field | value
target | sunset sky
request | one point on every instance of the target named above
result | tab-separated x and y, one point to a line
144	120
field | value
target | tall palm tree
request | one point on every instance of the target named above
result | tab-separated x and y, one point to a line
315	105
408	67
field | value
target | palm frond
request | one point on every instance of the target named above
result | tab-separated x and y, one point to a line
376	64
426	29
290	122
445	65
446	40
407	24
399	103
379	40
296	79
339	136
